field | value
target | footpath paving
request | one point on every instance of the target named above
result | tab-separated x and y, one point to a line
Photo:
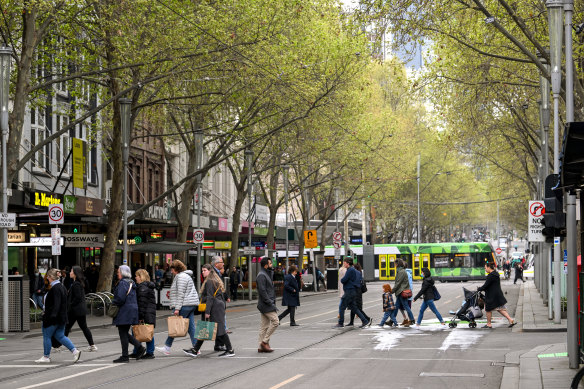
545	366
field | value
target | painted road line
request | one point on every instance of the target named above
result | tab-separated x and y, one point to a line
399	359
461	339
287	381
37	365
462	375
66	378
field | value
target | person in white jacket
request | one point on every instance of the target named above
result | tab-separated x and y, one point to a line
184	299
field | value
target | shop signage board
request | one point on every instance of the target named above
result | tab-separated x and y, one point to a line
83	240
79	163
247	250
16	236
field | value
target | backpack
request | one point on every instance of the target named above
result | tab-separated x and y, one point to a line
363	286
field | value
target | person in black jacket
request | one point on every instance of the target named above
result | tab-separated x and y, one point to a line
427	290
55	318
291	296
146	309
77	307
266	305
37	289
494	298
358	296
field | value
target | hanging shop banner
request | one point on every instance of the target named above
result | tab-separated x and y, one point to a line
223	245
79	164
83	240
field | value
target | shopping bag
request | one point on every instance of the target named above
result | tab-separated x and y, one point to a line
143	332
436	294
206	330
202	307
178	326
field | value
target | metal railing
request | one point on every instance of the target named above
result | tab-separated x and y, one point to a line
36	309
92	297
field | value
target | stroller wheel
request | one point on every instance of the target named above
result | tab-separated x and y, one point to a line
452	324
472	325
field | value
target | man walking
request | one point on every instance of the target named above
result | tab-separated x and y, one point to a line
350	283
266	305
234	281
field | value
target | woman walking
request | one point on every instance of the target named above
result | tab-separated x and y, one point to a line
291	295
184	299
494	298
55	318
125	298
401	285
427	291
146	309
212	294
77	307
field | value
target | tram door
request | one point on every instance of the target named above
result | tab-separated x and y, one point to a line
391	266
383	267
417	267
425	260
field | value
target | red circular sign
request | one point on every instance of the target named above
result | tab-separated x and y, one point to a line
537	209
498	249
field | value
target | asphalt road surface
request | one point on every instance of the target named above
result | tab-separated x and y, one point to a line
311	355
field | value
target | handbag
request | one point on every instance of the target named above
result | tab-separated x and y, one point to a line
436	294
178	326
113	309
203	306
363	286
406	294
143	332
206	330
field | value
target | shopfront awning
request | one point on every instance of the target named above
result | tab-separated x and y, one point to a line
164	247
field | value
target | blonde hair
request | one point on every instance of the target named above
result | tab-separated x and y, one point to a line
144	276
213	277
53	274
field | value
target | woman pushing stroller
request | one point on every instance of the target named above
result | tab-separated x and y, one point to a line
494	298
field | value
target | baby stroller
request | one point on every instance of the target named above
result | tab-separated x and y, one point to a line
470	309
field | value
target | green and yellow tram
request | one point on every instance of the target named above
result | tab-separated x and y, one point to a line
446	261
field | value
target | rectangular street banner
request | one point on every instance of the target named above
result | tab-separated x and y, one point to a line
79	164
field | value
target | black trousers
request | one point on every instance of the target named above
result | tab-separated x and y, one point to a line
359	303
518	274
82	321
221	339
289	310
126	337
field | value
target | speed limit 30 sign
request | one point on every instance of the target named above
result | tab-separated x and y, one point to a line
198	236
56	214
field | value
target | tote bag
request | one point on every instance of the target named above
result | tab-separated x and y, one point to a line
178	326
143	332
206	330
436	294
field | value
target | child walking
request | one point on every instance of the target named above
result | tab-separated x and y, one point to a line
389	310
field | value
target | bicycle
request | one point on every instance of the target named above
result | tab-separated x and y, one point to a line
578	379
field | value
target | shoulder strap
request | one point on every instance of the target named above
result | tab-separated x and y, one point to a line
129	289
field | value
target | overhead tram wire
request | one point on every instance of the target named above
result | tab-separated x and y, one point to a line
274	75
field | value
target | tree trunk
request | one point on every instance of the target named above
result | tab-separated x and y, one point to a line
184	211
235	226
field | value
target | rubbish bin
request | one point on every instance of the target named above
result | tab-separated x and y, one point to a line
332	278
18	303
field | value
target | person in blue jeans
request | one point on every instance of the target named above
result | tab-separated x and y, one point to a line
55	318
146	309
184	299
427	291
351	282
402	284
389	310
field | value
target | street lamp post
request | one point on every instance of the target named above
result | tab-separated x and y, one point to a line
199	165
285	169
556	13
249	164
125	112
543	268
5	64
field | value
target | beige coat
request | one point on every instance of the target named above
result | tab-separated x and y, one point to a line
342	272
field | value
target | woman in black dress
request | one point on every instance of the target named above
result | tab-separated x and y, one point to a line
494	298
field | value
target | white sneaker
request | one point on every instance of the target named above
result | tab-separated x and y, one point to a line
165	350
76	355
92	348
43	359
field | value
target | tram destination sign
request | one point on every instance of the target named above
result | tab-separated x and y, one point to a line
7	220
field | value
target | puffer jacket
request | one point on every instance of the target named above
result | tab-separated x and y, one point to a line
182	291
146	302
